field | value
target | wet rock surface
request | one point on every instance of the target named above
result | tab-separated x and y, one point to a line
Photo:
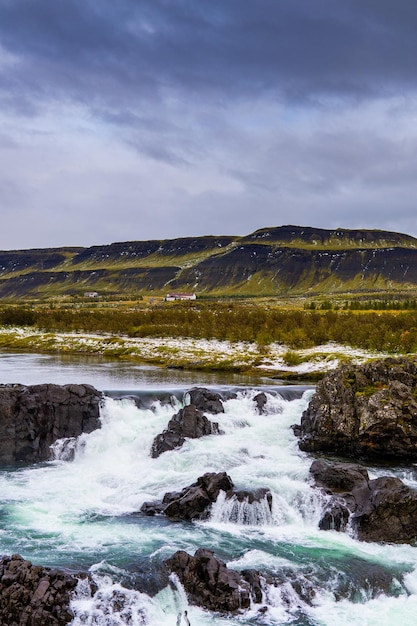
388	514
205	400
209	583
194	502
189	422
31	595
260	400
337	476
33	417
383	509
366	411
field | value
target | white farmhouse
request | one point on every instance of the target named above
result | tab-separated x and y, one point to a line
170	297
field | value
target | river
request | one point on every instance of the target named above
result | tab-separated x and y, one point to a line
83	514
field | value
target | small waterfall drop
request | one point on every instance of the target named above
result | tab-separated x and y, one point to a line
241	511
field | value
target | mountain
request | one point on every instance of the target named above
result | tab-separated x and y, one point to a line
284	260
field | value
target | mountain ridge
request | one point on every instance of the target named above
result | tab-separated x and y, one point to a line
281	260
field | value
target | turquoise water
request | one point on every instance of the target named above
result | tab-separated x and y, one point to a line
84	515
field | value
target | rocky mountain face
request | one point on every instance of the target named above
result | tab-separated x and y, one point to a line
281	260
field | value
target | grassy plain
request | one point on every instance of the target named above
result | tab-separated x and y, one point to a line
287	338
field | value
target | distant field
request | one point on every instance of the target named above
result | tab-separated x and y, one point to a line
384	325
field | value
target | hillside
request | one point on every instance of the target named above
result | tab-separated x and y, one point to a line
286	260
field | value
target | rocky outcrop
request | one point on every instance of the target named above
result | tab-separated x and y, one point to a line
189	422
209	583
260	400
33	417
382	510
388	513
31	595
338	477
205	400
194	502
364	411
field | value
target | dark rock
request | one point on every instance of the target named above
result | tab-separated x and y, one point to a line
253	578
33	417
365	411
169	439
337	476
383	510
208	582
296	429
192	502
31	595
152	508
260	400
390	514
254	495
188	422
297	582
205	400
195	501
146	575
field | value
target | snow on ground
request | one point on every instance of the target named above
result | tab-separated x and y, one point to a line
321	358
188	352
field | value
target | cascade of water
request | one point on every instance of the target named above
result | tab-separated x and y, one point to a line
82	509
112	605
243	512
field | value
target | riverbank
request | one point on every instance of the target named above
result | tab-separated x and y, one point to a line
275	360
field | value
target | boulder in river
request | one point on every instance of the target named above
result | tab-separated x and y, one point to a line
195	501
366	411
260	400
205	400
383	509
338	476
189	422
33	417
208	582
388	514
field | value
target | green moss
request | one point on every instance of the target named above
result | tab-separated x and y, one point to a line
368	391
349	380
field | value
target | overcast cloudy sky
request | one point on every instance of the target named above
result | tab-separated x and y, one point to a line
138	119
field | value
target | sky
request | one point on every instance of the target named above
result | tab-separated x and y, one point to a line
151	119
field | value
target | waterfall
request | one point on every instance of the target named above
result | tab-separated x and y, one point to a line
82	511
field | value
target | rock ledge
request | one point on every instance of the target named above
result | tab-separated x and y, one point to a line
366	411
33	417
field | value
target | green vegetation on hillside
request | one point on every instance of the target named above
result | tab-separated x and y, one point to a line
285	261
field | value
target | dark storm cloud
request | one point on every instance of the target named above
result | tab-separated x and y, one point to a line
128	119
104	51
